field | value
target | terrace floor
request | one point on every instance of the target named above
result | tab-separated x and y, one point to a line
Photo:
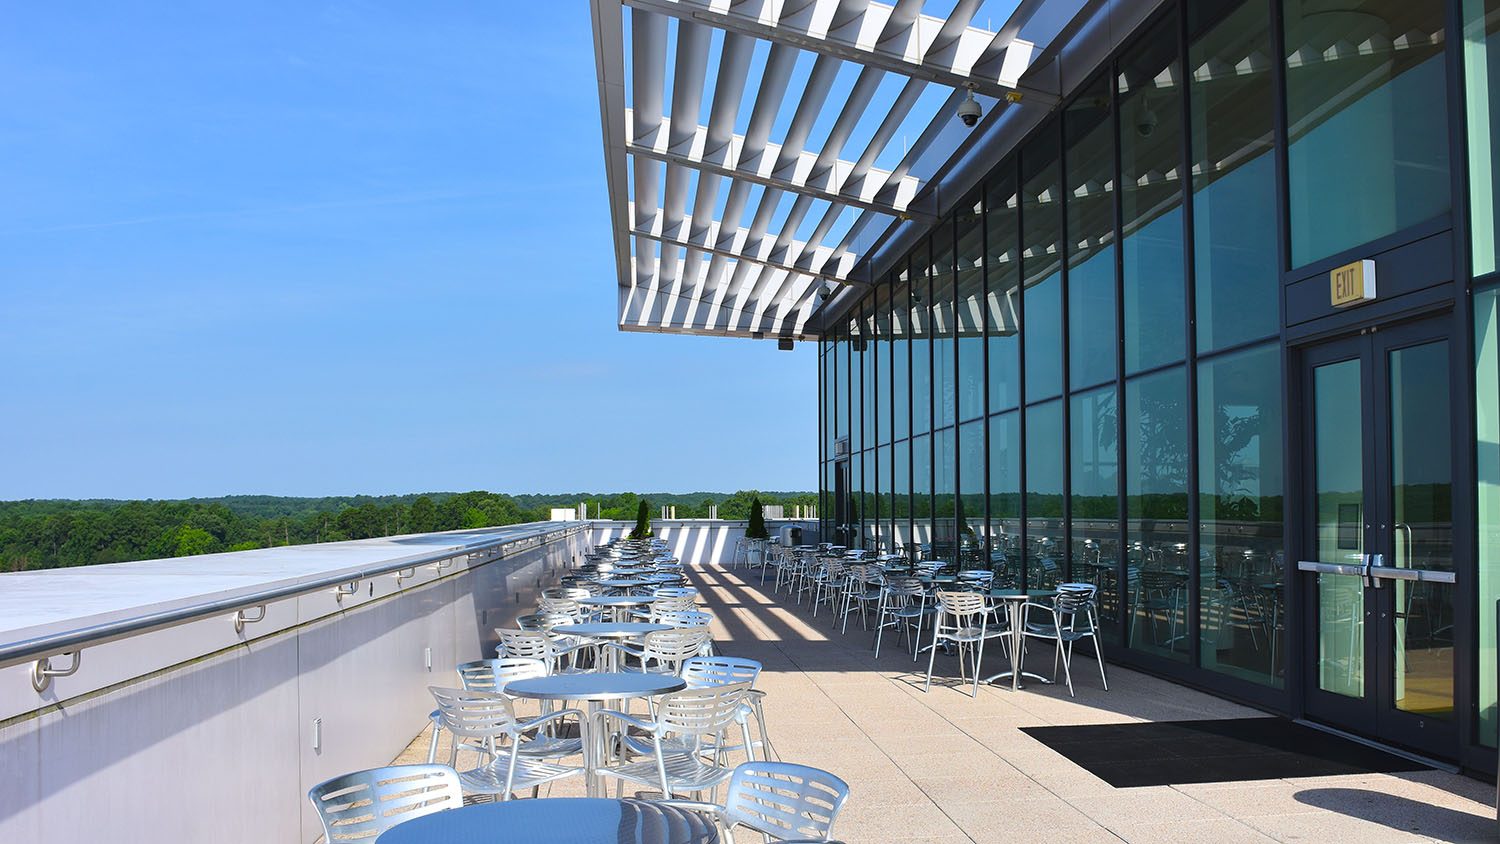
944	767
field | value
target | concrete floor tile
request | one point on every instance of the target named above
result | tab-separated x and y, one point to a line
1142	805
1216	830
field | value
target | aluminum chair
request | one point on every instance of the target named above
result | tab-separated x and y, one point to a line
664	651
1071	617
489	675
903	602
538	644
963	618
688	723
780	801
864	585
361	805
487	718
701	672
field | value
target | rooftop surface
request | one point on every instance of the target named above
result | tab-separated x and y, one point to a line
945	767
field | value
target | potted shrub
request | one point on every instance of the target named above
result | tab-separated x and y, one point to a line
756	532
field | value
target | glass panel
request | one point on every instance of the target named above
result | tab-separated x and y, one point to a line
921	493
921	345
1367	121
1005	497
1422	508
970	318
857	439
841	386
882	346
900	360
1041	218
1044	495
1487	496
1482	92
883	481
1095	544
971	473
1241	561
901	508
1339	482
1091	237
870	509
1151	204
1003	279
868	347
855	535
944	386
830	403
945	538
1234	185
1156	469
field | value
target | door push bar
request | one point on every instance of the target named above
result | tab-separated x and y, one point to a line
1372	570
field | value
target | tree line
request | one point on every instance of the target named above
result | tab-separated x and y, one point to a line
53	533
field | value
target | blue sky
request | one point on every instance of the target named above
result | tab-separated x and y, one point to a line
329	248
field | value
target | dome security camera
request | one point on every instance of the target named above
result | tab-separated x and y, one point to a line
1145	124
825	292
969	110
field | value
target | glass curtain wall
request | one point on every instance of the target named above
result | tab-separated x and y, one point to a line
1149	87
1367	121
1147	289
1094	504
1042	355
1002	274
1487	496
1235	279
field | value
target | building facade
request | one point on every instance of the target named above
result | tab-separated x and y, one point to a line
1220	335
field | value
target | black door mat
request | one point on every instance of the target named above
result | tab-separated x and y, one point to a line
1230	750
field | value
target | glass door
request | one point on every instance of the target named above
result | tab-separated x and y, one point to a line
1379	569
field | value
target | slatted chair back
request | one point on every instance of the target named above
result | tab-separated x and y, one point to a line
700	712
491	675
361	805
703	671
967	608
785	801
526	643
474	715
674	592
559	606
682	618
673	604
569	592
673	646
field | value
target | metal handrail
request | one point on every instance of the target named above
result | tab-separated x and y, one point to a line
49	645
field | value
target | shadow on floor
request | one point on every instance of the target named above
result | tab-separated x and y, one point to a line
1401	813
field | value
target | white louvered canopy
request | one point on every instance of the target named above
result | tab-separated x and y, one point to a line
756	150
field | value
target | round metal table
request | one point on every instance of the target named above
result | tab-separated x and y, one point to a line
594	690
618	631
617	603
622	583
558	820
1014	599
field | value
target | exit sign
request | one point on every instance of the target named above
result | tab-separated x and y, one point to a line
1352	283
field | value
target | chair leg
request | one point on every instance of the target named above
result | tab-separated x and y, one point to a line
1067	672
978	658
932	657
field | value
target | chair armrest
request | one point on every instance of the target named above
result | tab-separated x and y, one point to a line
1047	608
695	805
623	648
523	726
606	714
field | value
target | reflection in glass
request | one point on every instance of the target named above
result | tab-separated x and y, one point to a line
856	383
1156	470
1095	542
1241	563
1422	506
868	347
1003	276
970	311
921	493
1367	121
944	385
855	532
1339	482
1234	180
944	543
884	499
880	343
1151	202
901	483
921	343
1005	498
971	472
1482	91
900	360
1487	452
1045	543
1041	219
1091	237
